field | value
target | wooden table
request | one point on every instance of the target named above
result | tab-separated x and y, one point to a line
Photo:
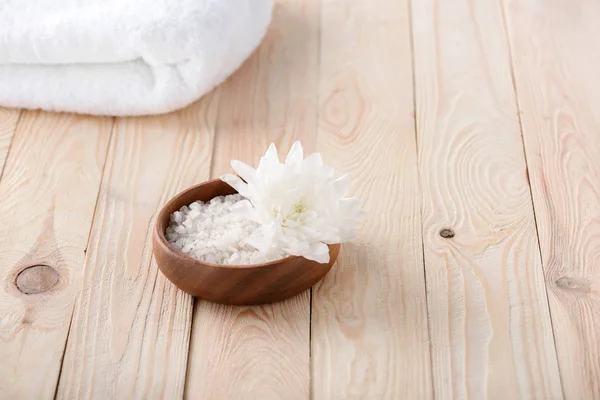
470	129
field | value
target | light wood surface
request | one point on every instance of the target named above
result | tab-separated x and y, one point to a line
8	124
491	335
556	58
470	130
369	318
47	197
130	330
261	352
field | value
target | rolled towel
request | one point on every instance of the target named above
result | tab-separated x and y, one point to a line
122	57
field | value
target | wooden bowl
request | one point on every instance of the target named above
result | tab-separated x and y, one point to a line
231	284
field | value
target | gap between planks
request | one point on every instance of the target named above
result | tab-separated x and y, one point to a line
113	124
489	321
370	337
261	351
9	122
131	327
527	168
555	68
52	230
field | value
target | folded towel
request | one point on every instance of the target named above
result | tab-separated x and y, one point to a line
122	57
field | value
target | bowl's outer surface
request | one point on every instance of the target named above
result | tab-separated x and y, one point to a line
226	284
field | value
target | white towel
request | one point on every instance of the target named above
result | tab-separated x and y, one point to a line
122	57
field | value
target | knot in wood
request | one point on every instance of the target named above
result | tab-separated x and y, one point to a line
573	284
36	279
447	233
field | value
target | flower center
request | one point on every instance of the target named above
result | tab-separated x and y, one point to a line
276	212
295	215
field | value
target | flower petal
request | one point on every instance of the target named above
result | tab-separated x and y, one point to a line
318	252
313	160
269	167
243	207
271	154
347	234
245	171
236	183
350	206
341	186
296	153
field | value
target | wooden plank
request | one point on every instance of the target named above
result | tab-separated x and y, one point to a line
261	352
47	198
8	124
130	331
556	57
369	319
489	322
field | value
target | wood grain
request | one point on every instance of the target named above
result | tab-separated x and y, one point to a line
8	124
369	319
261	352
556	58
47	198
489	322
130	331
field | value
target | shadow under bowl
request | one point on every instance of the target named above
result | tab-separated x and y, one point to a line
231	284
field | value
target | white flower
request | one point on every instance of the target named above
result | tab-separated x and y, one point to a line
299	204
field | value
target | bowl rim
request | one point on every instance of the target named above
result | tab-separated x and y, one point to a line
162	240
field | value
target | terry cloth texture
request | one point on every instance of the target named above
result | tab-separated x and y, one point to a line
122	57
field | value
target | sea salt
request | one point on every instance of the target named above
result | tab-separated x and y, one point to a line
211	232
